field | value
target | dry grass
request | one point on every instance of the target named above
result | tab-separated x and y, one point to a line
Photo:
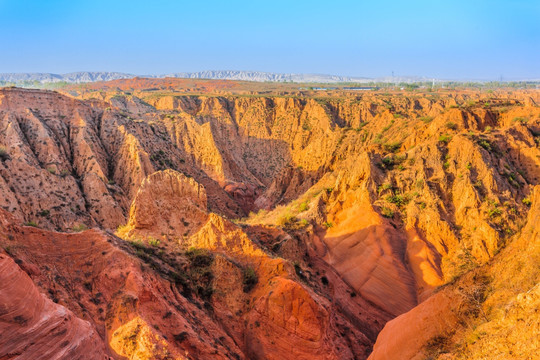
286	215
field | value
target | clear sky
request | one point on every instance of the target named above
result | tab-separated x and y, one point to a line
459	39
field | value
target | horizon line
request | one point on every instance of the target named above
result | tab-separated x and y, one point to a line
352	78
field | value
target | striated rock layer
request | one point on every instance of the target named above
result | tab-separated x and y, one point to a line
34	327
492	312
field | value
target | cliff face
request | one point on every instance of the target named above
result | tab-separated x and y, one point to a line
34	327
492	312
347	212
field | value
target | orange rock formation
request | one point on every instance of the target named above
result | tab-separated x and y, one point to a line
267	227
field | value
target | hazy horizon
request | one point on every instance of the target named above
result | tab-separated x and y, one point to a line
397	77
458	41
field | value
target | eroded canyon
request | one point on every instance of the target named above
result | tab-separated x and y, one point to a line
139	221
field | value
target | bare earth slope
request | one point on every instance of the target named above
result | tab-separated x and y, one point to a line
267	227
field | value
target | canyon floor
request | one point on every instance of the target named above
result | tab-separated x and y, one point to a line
192	219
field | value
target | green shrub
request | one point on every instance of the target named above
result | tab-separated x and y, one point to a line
199	257
426	119
80	227
138	244
527	201
44	213
387	212
250	279
392	147
286	219
51	170
384	187
31	223
399	200
522	120
494	212
485	144
153	241
445	138
361	125
303	207
3	153
328	224
451	125
388	162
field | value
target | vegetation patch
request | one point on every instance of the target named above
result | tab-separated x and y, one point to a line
392	147
79	228
31	223
4	155
485	144
44	213
200	273
153	241
445	138
286	220
387	212
399	200
161	159
521	120
437	345
451	125
250	279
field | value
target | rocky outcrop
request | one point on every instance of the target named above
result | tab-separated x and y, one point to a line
490	312
70	163
34	327
279	313
167	204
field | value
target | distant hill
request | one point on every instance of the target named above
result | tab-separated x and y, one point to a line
75	77
258	76
86	76
266	76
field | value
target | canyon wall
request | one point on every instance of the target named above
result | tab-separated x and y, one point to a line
247	226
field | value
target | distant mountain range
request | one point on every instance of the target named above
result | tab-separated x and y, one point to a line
259	76
266	76
75	77
85	76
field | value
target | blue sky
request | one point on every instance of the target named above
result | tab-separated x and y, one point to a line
445	39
